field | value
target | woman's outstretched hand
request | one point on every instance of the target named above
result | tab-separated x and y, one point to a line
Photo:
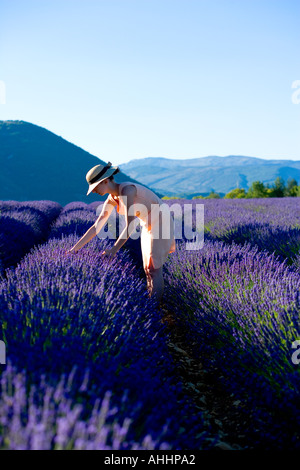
110	252
72	251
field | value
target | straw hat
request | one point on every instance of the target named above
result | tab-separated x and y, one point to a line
99	173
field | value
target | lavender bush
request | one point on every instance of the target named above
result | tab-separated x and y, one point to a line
24	225
236	301
270	224
58	311
241	308
77	217
46	418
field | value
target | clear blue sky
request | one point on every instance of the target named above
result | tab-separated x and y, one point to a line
128	79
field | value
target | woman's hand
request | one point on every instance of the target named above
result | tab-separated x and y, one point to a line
110	252
71	251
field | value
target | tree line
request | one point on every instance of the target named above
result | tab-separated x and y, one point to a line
257	190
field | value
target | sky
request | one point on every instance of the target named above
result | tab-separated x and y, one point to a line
127	79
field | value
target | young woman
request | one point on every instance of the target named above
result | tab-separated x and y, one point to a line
133	200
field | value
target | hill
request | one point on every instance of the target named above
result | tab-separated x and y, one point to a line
203	175
37	164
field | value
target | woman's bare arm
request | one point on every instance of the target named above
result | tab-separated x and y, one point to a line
129	192
96	228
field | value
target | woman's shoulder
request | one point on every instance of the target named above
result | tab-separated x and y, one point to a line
141	191
127	183
128	188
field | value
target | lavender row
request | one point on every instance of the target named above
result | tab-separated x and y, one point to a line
270	224
23	225
77	217
59	311
46	418
240	307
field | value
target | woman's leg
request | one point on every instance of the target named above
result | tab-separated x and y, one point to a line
149	283
155	282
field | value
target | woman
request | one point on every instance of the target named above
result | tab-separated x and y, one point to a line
133	200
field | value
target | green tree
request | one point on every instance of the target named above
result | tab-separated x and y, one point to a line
236	193
295	191
213	195
269	191
291	189
278	189
257	190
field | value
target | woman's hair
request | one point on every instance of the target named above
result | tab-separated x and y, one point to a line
115	172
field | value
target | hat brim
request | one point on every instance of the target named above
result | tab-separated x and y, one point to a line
109	172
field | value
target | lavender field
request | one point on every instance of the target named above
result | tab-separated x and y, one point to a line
93	363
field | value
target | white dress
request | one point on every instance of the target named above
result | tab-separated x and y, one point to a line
157	224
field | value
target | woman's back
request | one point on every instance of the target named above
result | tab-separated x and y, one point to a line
155	225
144	196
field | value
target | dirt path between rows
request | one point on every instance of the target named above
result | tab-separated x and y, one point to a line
224	415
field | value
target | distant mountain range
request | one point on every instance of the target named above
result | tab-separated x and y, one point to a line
37	164
190	177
